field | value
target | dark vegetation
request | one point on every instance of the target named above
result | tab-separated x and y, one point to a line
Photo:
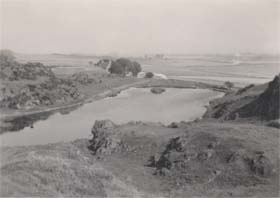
228	84
26	86
149	75
123	66
84	78
14	71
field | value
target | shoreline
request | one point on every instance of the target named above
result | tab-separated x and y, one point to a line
145	83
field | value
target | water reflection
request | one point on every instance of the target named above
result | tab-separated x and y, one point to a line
15	124
135	104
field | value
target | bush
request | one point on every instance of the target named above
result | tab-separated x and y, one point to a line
228	84
149	75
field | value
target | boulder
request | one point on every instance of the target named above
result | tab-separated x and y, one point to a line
104	140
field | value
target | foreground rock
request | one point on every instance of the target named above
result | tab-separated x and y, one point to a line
105	140
157	90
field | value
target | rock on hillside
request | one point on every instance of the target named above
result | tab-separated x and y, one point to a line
205	158
252	102
266	106
104	139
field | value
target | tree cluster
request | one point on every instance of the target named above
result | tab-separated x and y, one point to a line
123	66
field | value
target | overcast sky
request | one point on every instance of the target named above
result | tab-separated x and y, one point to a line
140	26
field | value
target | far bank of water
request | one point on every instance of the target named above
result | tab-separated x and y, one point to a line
134	104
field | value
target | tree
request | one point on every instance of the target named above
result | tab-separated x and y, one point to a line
6	57
136	68
117	68
123	66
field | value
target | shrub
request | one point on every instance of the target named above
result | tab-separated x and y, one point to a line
149	75
228	84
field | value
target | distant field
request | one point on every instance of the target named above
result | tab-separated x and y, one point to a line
214	69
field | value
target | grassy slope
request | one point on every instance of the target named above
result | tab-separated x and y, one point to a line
69	169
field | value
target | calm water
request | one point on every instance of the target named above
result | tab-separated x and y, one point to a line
133	104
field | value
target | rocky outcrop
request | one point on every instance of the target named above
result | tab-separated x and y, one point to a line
157	90
104	140
252	102
204	158
266	106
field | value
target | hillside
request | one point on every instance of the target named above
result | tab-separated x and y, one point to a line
251	103
144	159
27	86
